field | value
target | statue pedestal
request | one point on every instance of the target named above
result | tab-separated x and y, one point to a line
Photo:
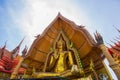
66	74
45	78
45	74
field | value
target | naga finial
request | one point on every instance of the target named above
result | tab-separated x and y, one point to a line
24	52
98	38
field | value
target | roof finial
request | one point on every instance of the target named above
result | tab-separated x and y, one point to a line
2	50
116	39
98	38
21	42
16	50
24	52
37	36
116	29
59	13
4	45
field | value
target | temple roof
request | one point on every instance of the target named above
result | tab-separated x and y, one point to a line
6	53
7	62
78	35
114	49
73	31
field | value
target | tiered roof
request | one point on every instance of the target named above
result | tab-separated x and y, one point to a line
115	49
8	60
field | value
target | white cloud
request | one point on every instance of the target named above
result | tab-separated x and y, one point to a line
38	14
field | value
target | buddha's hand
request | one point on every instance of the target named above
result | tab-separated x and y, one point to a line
74	69
56	54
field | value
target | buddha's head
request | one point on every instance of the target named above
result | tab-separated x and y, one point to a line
60	44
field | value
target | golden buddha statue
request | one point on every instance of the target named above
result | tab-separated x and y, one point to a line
61	61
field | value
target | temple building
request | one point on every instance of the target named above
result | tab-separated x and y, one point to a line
67	50
63	51
8	61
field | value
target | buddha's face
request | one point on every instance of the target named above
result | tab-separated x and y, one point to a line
60	44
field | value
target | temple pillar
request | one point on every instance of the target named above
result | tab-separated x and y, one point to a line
14	75
115	66
111	78
16	70
106	53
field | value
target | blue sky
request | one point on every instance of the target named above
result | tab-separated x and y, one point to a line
8	28
104	14
95	15
20	18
